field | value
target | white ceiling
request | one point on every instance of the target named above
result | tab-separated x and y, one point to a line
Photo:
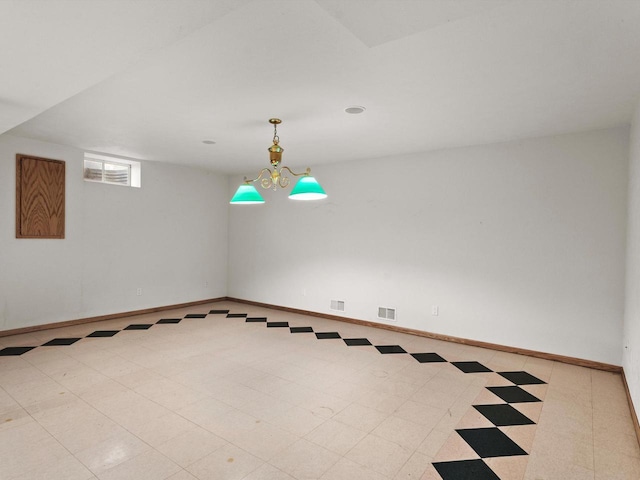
152	79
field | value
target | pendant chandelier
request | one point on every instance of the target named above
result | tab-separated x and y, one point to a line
307	187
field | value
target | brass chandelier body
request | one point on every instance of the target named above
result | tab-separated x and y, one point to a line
275	178
307	187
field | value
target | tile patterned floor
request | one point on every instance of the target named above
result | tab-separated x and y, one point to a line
209	392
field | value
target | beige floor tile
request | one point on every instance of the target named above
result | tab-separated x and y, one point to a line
346	469
68	468
455	448
550	466
33	392
150	465
231	424
204	412
506	362
182	475
15	417
433	443
77	425
380	455
264	406
431	474
487	397
565	448
539	367
405	433
361	417
159	430
95	387
416	412
380	401
508	468
298	421
440	392
492	379
268	472
305	460
616	466
539	391
415	467
336	436
325	405
531	410
474	419
169	394
265	441
190	446
111	452
523	435
29	451
228	462
191	388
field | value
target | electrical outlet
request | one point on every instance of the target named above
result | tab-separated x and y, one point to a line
206	284
434	310
139	292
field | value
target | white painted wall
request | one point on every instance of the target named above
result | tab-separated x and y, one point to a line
631	339
168	238
519	244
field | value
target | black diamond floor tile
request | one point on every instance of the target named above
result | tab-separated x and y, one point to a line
10	351
471	367
352	342
384	349
323	335
213	312
103	333
503	415
60	341
490	442
465	470
256	319
277	324
195	315
521	378
513	394
428	357
139	326
236	315
169	320
301	329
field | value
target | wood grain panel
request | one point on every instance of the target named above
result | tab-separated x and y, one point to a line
40	200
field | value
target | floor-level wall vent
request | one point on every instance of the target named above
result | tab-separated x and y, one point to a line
387	313
337	305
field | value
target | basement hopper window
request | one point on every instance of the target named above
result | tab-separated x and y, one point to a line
111	170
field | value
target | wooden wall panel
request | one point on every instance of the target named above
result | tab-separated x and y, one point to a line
40	198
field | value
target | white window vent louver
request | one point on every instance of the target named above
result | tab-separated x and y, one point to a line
387	313
111	170
337	305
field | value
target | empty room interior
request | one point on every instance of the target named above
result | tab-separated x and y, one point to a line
320	239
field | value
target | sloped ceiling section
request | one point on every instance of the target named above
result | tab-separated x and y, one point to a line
376	22
54	49
133	79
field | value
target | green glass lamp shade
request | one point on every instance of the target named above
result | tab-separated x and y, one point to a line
307	188
246	195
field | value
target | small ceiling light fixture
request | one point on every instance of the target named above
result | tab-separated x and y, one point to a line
209	142
307	187
355	109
